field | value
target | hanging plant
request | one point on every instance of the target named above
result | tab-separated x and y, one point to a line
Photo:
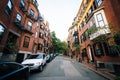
11	48
92	30
117	38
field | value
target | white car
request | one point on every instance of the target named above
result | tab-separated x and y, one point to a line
35	61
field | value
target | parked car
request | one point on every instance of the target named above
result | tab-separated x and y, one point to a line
48	58
13	71
35	61
52	56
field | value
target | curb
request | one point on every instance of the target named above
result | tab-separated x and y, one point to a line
98	72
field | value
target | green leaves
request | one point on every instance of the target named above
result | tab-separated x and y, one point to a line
92	30
57	44
117	38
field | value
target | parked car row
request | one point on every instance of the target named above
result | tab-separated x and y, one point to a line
17	71
37	61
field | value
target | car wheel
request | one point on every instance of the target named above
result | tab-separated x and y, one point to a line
41	68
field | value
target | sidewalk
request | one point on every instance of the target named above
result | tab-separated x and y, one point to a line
101	71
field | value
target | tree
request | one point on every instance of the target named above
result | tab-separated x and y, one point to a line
57	45
54	41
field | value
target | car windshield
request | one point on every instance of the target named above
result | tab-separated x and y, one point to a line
35	57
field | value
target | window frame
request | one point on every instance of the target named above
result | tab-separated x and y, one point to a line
17	18
99	2
22	4
35	3
9	7
29	26
42	27
90	10
41	35
32	12
99	21
40	46
36	34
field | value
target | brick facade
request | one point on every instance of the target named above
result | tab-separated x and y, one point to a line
20	23
104	13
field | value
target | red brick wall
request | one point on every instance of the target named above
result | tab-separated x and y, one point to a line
112	13
7	21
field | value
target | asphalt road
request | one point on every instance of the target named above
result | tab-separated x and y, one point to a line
63	68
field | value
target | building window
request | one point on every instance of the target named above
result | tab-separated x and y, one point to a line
18	18
35	3
22	4
26	42
94	5
36	35
46	35
39	46
100	20
80	27
91	23
31	12
81	38
29	25
40	35
99	2
86	34
9	7
42	27
90	11
98	49
2	31
84	52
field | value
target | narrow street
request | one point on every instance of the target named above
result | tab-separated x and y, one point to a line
63	68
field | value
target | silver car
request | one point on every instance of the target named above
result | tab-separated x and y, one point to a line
35	61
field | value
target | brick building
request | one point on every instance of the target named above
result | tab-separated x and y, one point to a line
98	31
73	41
20	29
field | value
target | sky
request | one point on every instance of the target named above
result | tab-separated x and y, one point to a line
59	14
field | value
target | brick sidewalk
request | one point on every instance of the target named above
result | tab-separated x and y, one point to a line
101	71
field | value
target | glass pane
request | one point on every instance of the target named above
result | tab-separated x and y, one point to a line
99	2
99	17
29	23
26	42
101	23
27	39
19	17
9	4
31	12
22	2
2	30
